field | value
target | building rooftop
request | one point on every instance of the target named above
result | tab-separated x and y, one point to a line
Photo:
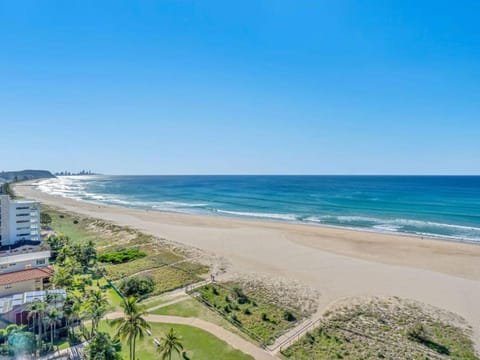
9	258
7	303
25	275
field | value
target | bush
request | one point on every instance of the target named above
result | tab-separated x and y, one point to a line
235	319
45	219
118	257
287	315
239	295
137	286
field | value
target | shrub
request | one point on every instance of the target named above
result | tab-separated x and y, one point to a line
137	286
264	317
239	295
287	315
118	257
247	311
235	319
45	219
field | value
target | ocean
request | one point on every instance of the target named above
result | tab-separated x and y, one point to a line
431	206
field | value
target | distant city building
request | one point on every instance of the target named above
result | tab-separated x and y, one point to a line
19	221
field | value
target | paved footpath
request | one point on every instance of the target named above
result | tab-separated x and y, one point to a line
233	340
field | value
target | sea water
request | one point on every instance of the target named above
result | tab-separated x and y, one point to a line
431	206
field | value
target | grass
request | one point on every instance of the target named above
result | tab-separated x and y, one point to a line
192	308
64	223
156	300
114	300
384	329
61	344
168	268
200	345
261	320
186	308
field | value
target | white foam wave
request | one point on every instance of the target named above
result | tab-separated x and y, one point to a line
397	223
288	217
183	204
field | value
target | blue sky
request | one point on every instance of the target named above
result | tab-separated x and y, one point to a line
250	87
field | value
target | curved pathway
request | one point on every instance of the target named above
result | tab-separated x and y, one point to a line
233	340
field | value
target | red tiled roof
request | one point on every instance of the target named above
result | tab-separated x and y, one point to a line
25	275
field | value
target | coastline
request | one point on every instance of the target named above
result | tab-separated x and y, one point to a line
338	262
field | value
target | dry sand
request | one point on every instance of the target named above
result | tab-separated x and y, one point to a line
338	263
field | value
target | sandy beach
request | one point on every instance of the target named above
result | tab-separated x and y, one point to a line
339	263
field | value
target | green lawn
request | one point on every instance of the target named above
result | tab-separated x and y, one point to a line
186	308
156	300
193	308
200	345
114	299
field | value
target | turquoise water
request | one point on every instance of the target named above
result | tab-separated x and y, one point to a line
434	206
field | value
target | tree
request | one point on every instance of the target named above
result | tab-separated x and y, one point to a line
52	319
102	347
137	286
57	244
62	278
36	310
169	344
21	342
45	219
132	325
96	307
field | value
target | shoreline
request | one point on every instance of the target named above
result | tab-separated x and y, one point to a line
337	262
281	218
276	221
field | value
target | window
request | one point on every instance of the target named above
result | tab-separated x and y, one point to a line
8	286
41	262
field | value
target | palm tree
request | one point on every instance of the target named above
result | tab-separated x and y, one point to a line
132	325
96	307
37	310
169	344
62	278
53	318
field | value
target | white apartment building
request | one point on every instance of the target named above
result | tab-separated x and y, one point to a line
19	221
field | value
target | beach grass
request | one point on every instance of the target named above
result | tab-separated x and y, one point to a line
384	329
261	320
169	268
199	344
